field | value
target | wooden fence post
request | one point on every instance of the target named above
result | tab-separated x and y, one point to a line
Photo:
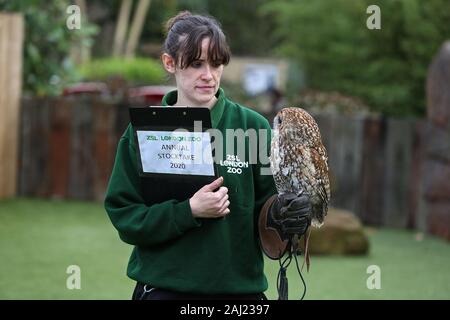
11	40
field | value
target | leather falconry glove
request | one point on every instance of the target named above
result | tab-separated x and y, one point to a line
290	215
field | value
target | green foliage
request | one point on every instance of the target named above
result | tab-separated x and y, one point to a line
248	31
137	70
47	66
159	12
387	67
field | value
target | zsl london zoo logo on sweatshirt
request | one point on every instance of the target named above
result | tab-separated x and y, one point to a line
233	164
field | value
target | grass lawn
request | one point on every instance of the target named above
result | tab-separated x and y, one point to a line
39	239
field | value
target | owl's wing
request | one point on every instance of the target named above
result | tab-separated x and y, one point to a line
312	173
319	158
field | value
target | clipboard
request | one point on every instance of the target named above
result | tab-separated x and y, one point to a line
162	124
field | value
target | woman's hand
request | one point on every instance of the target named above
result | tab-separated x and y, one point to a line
206	203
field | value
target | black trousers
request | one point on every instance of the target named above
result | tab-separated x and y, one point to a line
146	292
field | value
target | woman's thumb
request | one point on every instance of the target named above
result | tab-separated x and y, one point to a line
214	185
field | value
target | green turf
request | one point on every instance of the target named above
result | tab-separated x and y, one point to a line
39	239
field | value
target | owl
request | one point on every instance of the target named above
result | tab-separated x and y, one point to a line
298	160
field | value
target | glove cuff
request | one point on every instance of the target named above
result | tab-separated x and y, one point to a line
271	243
274	219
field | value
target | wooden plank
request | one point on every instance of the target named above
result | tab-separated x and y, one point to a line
416	172
345	150
24	151
59	153
34	144
104	145
11	42
4	54
41	151
122	119
81	150
397	171
372	178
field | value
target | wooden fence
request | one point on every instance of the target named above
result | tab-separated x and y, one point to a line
11	41
68	147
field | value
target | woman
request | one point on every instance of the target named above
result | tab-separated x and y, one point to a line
181	249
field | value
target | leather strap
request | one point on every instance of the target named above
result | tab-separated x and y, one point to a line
306	243
272	245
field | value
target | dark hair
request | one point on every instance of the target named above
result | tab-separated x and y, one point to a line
185	33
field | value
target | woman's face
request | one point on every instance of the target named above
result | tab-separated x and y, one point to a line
198	83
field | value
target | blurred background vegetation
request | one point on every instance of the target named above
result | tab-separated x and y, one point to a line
47	66
386	68
327	40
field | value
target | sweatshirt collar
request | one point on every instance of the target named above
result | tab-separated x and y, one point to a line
216	111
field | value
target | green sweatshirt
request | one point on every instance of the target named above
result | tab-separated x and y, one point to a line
172	249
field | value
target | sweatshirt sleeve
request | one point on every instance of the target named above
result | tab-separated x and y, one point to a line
137	223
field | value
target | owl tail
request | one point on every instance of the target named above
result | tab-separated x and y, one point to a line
306	245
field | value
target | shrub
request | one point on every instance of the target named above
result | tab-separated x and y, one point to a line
47	66
386	68
138	71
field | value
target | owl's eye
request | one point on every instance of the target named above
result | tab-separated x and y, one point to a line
279	119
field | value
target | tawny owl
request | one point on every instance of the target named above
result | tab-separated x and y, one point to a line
298	160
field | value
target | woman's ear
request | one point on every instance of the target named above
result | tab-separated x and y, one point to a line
168	62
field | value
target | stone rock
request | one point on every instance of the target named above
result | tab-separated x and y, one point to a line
436	179
341	234
439	219
437	142
438	95
434	201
